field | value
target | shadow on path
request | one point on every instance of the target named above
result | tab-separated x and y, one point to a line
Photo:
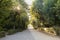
25	35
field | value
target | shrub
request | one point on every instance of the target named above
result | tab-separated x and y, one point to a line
41	28
19	30
57	30
11	31
2	34
1	28
48	30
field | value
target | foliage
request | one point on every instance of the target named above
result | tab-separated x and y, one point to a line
47	12
11	31
2	34
23	3
13	15
57	30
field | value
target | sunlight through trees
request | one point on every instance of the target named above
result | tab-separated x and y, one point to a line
47	13
15	15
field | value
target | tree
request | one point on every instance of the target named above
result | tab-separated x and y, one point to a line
47	11
11	14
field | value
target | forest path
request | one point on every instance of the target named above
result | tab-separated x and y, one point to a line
29	34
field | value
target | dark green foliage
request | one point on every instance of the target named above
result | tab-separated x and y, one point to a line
2	34
57	30
13	19
11	31
48	13
23	3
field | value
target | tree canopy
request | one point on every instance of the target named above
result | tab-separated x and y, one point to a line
48	10
13	15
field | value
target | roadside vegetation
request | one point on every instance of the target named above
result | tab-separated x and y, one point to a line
44	16
13	17
47	15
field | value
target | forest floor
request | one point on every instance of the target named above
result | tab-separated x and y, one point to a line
30	34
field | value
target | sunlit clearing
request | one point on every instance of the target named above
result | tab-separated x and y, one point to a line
29	2
30	26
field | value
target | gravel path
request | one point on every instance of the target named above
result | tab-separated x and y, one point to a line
29	34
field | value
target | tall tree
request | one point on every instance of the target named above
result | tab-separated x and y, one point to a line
48	10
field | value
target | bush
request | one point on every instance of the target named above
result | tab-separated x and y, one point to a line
11	31
48	30
1	28
19	30
2	34
57	30
41	28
